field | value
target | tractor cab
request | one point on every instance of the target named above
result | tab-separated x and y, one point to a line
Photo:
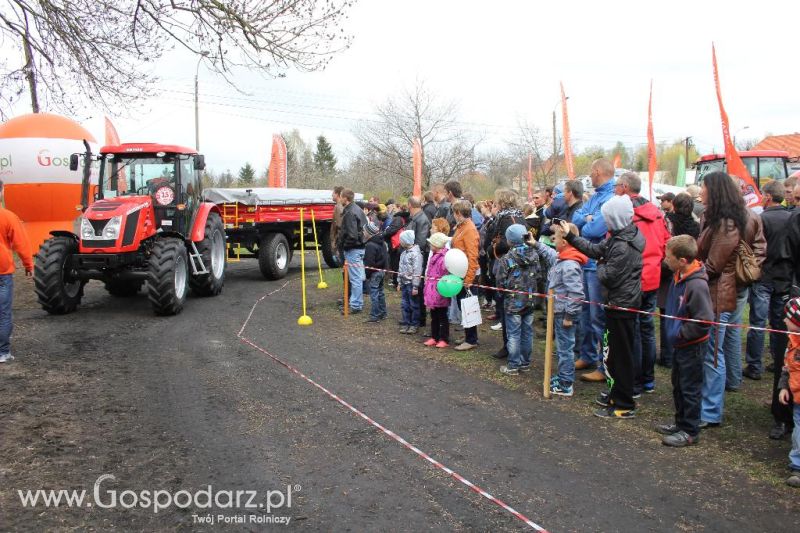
166	176
763	165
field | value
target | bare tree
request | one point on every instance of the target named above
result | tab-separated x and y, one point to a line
386	142
77	51
531	140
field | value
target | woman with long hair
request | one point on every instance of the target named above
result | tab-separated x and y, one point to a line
724	223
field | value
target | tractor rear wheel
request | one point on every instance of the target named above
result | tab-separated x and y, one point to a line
274	256
329	251
212	248
124	288
168	276
58	288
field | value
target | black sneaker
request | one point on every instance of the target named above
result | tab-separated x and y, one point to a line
667	429
525	369
602	399
680	439
373	319
751	373
778	431
708	425
502	353
611	412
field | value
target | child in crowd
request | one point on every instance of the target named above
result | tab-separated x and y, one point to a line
376	260
789	384
438	304
687	297
409	278
565	278
619	270
519	272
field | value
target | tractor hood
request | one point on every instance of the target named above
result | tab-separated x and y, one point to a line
117	224
120	206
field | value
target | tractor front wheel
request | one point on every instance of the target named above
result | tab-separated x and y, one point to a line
57	287
168	275
329	250
212	249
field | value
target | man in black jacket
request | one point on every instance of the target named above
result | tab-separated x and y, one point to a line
351	240
767	298
421	227
619	270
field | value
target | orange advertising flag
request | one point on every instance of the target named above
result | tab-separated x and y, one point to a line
112	138
530	178
565	128
277	163
417	167
736	166
617	161
652	164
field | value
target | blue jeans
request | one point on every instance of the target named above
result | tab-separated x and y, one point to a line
377	299
732	347
520	339
644	343
355	269
794	455
410	305
765	304
6	324
714	377
593	320
565	344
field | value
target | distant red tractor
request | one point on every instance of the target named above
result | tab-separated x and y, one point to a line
147	224
763	165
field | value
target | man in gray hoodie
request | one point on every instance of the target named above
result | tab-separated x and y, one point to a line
619	270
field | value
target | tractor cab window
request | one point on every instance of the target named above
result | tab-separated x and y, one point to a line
771	168
139	175
707	167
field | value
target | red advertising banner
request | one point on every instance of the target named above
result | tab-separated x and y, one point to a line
277	163
417	167
652	164
736	166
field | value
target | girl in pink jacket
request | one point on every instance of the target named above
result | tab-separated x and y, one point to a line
435	302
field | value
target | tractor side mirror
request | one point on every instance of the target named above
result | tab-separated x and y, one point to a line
199	162
74	162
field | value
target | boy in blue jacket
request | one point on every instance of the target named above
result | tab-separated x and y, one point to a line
688	297
565	278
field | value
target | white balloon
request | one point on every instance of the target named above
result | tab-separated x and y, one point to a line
456	262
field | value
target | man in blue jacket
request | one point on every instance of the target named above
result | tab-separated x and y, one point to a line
592	226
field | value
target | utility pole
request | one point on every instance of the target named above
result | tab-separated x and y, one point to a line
197	104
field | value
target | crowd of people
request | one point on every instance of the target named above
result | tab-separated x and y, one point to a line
615	262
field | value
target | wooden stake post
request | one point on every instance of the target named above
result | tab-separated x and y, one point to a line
548	344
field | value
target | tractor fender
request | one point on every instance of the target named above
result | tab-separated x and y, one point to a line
199	220
62	233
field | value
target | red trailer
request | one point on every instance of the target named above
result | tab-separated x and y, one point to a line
266	223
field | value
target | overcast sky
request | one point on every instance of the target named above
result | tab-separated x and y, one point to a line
502	61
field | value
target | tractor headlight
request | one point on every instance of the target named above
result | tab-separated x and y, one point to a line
111	230
87	231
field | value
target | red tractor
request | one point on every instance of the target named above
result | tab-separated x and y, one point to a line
147	223
763	165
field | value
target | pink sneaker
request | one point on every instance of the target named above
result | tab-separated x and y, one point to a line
442	344
430	342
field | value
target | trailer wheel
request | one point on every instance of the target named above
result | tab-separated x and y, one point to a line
124	287
167	279
274	256
58	290
328	251
212	248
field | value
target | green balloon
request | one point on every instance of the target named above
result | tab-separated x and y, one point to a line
449	285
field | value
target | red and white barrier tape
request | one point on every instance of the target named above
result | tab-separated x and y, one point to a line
394	436
608	306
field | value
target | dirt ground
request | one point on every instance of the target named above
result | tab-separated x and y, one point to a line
181	403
